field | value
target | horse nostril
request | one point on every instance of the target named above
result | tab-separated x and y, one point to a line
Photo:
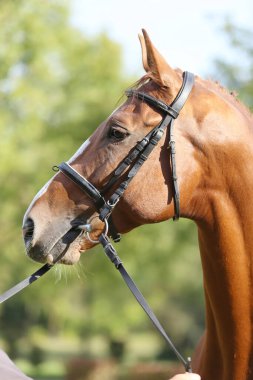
28	229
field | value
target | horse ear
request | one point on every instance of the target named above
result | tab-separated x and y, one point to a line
144	53
155	65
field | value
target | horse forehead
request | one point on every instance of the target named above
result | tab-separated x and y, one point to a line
135	112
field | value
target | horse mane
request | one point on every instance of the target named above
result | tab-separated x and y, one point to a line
229	96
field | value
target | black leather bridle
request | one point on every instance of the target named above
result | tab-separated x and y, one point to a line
136	158
127	169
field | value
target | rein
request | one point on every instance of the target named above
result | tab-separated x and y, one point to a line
111	253
23	284
133	162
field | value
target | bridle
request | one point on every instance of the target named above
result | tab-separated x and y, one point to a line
127	169
136	157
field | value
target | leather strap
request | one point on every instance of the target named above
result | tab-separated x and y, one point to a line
92	192
23	284
184	92
111	253
176	197
172	112
156	103
152	140
83	183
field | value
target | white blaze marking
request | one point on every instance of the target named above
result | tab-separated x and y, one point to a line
38	195
80	151
43	190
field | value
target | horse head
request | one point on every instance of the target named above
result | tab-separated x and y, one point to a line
51	219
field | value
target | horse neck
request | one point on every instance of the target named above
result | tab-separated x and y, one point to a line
226	244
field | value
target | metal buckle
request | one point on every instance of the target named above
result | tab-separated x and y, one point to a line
87	228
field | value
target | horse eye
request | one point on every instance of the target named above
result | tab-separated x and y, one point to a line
117	133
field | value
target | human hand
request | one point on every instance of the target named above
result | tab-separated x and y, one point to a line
186	376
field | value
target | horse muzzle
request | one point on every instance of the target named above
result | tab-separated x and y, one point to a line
53	245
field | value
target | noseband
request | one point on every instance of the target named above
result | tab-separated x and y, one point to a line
137	156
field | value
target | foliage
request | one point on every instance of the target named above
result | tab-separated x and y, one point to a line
56	86
237	73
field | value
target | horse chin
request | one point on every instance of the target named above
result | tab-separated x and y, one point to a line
85	245
72	253
70	258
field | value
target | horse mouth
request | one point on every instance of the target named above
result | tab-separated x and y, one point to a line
60	243
64	250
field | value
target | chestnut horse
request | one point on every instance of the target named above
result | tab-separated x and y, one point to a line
214	161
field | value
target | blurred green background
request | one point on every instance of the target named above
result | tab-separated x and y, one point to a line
81	322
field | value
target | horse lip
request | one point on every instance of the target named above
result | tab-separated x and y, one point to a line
67	239
43	254
50	259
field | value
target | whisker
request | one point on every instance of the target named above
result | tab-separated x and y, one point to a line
58	273
65	274
78	268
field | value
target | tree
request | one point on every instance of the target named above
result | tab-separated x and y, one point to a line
56	86
237	73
